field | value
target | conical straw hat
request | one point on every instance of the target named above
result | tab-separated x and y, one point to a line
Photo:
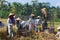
11	14
43	8
38	16
18	18
32	15
58	28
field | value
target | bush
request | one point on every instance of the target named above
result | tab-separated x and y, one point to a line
57	20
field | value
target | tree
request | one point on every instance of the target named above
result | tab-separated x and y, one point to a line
17	7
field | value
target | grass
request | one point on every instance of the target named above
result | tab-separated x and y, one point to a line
56	25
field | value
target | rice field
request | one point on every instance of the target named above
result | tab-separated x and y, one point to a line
38	36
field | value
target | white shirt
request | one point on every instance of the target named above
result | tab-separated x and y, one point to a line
58	34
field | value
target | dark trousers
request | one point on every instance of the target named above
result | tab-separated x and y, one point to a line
44	26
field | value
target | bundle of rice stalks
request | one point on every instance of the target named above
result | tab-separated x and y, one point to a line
22	38
3	32
3	29
45	36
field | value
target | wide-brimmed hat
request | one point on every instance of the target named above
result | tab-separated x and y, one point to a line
58	28
32	15
18	19
11	14
43	9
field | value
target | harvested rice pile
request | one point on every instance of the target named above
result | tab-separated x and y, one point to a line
39	36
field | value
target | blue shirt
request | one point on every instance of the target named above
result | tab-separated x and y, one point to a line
9	21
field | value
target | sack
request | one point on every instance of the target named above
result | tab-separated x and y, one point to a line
15	29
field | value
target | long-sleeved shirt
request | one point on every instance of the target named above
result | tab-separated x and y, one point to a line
9	22
58	34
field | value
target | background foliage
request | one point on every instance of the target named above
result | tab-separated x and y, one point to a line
26	9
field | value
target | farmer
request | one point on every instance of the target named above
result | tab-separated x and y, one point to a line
18	22
32	22
58	32
1	23
44	25
11	22
38	22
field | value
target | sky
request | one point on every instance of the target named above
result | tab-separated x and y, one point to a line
52	2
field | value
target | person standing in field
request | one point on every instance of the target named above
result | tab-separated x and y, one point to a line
11	23
44	25
32	22
38	23
18	24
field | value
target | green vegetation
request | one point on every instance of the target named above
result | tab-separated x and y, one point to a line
26	9
57	20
